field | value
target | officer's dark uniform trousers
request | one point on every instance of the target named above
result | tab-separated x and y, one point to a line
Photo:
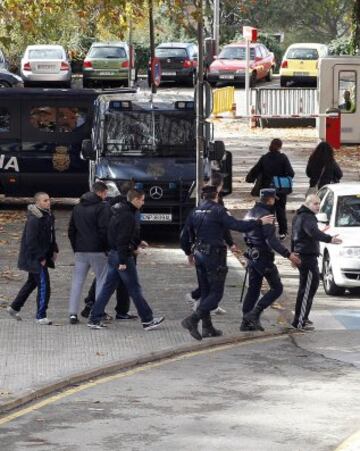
211	271
260	267
309	283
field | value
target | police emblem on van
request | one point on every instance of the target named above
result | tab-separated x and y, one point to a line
61	158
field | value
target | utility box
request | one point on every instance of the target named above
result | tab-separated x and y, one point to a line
333	127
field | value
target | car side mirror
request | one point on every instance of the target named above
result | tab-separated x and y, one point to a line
323	218
87	151
216	151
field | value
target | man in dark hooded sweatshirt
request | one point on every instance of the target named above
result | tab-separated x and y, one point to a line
38	252
88	237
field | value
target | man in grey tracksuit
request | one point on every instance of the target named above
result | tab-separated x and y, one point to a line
88	236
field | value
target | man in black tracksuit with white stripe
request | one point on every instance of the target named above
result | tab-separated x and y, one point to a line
305	242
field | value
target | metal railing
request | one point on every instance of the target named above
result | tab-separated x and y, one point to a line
285	101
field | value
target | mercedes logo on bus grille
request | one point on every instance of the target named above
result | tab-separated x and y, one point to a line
156	192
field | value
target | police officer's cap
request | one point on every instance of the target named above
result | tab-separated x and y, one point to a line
208	189
268	192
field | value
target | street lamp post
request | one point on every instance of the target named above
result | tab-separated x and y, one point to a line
216	25
200	103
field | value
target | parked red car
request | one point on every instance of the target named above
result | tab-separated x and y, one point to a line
230	64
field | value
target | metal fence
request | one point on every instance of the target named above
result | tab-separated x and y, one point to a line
285	101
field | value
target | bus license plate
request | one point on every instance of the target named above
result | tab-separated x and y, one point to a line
227	77
106	73
156	217
167	73
301	74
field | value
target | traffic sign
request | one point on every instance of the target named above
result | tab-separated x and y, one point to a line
250	34
156	71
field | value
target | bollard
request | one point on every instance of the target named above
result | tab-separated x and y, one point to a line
333	127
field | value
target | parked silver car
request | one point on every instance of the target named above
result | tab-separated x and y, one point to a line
45	64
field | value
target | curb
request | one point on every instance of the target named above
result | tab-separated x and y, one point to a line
118	366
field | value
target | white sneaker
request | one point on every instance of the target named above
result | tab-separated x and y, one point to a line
219	311
189	299
44	322
13	313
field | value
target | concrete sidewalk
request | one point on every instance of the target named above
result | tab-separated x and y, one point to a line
35	359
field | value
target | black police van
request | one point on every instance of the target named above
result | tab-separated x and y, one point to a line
153	144
41	131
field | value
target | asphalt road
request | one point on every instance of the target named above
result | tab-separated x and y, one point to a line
273	395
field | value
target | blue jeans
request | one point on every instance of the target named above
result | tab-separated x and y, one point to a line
211	271
131	281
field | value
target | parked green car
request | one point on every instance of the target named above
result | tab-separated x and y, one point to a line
106	63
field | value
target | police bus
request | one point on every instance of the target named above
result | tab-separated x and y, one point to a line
153	144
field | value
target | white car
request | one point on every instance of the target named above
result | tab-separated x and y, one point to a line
45	64
340	215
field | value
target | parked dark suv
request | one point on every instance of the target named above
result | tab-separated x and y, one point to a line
178	62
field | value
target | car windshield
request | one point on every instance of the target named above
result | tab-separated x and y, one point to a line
170	53
348	211
107	52
45	54
150	133
302	54
235	53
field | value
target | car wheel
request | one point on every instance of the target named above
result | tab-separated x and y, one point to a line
192	80
283	82
253	80
330	286
355	291
4	84
270	74
86	83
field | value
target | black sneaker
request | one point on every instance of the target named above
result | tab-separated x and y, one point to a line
73	319
94	325
125	316
86	312
153	324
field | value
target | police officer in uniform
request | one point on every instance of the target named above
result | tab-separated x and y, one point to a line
262	242
202	240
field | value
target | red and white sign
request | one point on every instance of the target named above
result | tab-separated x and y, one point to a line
250	34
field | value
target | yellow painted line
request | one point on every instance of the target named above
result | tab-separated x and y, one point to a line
351	444
131	372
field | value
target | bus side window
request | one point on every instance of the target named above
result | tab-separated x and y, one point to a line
347	92
4	120
70	119
43	118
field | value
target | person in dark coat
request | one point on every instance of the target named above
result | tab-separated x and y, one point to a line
88	237
38	252
122	306
262	244
124	241
272	164
322	167
305	242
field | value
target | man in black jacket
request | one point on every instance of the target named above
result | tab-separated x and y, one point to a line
38	252
124	240
88	237
274	163
305	241
262	242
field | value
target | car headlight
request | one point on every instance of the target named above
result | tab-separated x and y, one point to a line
240	71
213	71
17	78
112	189
350	252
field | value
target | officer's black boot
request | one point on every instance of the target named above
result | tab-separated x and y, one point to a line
208	330
246	326
253	318
191	324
